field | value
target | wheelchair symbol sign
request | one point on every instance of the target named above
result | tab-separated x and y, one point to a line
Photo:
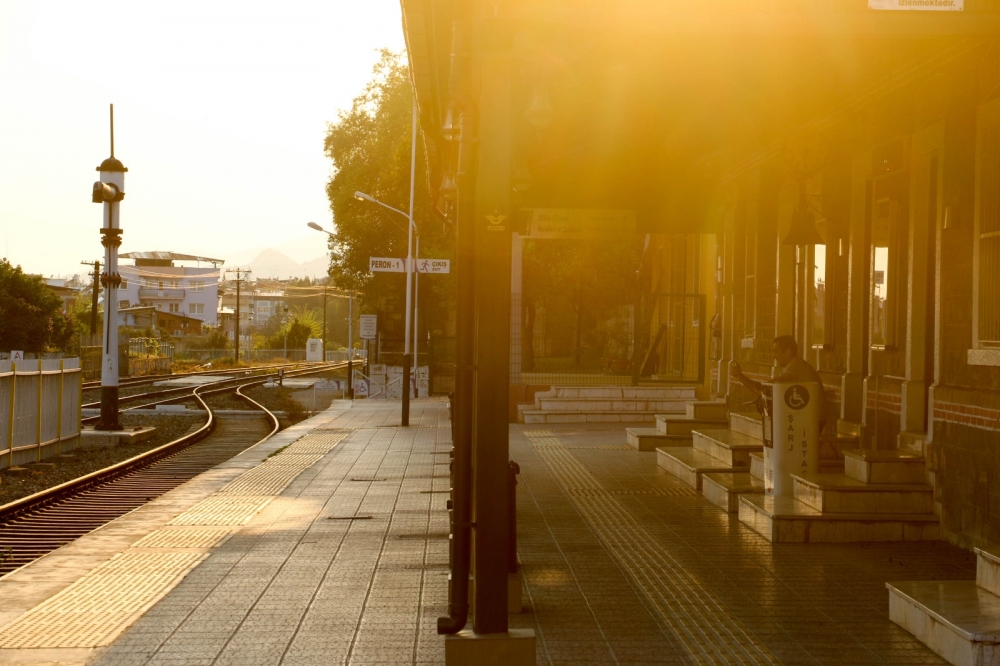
797	397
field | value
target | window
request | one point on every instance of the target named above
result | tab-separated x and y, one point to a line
159	306
196	308
173	284
174	307
819	296
750	294
885	272
197	285
987	228
264	309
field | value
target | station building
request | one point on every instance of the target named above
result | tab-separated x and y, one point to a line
826	170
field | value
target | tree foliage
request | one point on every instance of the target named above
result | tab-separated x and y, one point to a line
369	146
31	317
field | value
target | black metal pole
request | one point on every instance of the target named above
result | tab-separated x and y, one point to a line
324	323
93	302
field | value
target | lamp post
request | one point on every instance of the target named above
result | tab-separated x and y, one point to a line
350	325
408	359
284	325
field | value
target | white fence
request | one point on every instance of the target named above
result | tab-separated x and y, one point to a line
39	409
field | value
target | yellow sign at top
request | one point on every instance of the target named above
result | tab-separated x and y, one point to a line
580	223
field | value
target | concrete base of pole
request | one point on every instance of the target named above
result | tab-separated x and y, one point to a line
109	409
514	648
97	439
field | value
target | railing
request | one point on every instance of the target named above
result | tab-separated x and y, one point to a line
39	409
166	294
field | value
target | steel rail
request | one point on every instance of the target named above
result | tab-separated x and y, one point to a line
144	379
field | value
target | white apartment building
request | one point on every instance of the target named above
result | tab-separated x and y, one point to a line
167	281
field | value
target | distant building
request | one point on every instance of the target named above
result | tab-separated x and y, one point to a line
140	316
156	280
177	325
66	292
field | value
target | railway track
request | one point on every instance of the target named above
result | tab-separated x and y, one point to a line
33	526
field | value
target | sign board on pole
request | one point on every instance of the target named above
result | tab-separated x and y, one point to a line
795	445
433	265
361	388
918	5
16	355
386	265
369	326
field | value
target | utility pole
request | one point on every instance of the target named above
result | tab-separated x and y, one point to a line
93	301
324	322
350	346
241	274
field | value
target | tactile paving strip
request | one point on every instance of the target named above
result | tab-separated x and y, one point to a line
659	492
184	537
95	609
699	620
230	510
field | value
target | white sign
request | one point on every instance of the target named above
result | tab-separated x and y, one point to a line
16	355
433	265
329	384
386	265
795	428
361	387
580	223
918	5
369	326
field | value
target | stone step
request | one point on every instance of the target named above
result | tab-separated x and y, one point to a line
894	466
680	424
839	493
911	442
681	393
747	423
956	619
688	464
706	409
988	569
787	520
649	439
608	404
732	448
723	489
826	466
543	416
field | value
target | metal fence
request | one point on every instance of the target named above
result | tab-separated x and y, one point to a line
39	409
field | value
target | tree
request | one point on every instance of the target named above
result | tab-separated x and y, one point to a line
31	317
370	150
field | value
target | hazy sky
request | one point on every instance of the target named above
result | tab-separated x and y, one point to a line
220	113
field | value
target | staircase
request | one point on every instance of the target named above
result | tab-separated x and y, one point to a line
713	450
605	404
676	429
879	496
960	620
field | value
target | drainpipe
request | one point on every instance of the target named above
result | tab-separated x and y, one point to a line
461	492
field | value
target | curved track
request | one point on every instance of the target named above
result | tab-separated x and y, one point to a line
33	526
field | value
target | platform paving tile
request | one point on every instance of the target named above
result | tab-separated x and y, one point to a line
613	573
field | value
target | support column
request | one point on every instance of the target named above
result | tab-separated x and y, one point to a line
492	336
852	406
516	305
922	230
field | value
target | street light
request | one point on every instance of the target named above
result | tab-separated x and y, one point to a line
411	306
350	325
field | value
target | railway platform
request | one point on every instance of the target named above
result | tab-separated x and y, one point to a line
328	544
